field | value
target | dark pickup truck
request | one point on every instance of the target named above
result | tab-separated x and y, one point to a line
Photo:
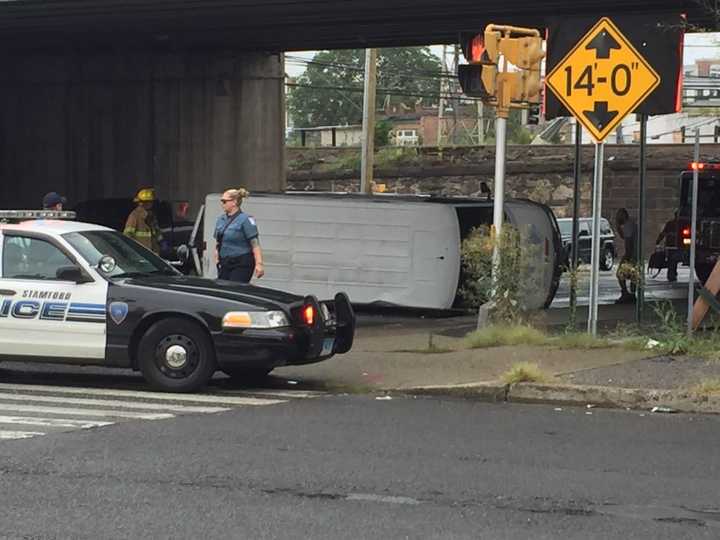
708	219
607	241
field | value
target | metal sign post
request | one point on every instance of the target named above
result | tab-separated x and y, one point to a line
693	234
595	258
575	223
499	191
640	303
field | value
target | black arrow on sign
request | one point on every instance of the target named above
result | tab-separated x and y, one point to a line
600	117
603	43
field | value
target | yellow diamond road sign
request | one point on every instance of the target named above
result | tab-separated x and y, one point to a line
602	79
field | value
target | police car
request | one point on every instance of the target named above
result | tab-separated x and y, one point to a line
80	293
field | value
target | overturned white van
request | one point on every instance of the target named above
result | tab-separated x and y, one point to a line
387	249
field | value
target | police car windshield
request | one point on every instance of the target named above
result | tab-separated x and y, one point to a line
131	258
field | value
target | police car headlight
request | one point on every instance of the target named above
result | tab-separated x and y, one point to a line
255	319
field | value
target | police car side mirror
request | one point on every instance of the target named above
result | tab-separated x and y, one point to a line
106	264
72	273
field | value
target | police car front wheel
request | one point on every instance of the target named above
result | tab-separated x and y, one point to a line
176	355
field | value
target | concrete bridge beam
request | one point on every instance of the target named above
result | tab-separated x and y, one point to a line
102	125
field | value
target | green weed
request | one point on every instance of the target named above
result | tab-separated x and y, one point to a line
499	335
524	372
707	387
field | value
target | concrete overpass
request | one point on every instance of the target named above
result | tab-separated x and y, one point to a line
98	97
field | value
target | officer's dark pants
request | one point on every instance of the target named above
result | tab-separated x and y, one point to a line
238	269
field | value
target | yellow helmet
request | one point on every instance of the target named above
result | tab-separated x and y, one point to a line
145	195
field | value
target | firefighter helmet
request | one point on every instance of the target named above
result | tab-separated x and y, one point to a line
145	195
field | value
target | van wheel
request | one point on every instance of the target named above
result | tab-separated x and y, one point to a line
244	374
607	259
176	355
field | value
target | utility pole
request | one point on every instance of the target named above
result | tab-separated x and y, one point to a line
368	140
441	102
480	122
455	101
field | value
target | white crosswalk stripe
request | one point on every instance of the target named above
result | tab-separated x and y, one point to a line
28	410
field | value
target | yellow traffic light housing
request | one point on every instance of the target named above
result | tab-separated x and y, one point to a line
489	55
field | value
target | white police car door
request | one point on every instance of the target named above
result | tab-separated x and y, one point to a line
43	316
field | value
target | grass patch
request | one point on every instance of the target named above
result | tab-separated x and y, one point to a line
579	340
502	335
524	372
704	346
636	343
396	156
348	161
707	387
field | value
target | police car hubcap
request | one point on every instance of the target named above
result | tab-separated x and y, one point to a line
176	356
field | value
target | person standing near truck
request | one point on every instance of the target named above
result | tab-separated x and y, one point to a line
238	253
627	269
669	235
142	225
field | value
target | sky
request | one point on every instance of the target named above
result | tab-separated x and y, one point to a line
697	46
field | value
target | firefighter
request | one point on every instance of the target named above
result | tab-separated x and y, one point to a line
142	225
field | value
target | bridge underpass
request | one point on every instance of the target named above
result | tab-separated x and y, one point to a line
99	98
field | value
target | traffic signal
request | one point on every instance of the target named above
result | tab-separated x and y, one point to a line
483	76
531	115
477	80
526	53
479	77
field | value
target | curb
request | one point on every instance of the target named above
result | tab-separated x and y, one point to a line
485	391
577	395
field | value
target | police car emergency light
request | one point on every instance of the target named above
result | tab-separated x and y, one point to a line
20	215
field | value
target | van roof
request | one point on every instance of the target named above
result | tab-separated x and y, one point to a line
384	197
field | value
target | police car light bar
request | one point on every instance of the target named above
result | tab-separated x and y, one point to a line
16	215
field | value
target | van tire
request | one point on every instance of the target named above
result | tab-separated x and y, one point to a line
176	355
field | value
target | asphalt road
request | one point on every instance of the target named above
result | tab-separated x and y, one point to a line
656	288
361	467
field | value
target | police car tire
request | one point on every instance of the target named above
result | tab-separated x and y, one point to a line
187	335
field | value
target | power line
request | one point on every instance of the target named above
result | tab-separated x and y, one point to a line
388	91
418	74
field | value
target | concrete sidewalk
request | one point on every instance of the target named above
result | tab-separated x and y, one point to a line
391	355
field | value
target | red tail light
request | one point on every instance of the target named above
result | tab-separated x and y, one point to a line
308	315
696	165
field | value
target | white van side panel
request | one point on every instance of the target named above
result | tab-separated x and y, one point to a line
388	251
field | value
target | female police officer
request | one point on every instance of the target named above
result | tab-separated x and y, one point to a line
238	252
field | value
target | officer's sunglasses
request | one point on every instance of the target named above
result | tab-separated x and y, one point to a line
225	200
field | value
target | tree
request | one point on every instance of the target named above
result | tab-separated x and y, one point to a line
517	133
330	92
